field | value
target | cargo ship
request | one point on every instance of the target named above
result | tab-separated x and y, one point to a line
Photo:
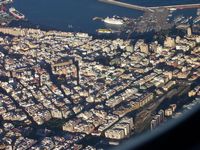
104	31
113	21
16	13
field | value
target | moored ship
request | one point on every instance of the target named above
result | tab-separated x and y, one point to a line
16	13
113	21
196	20
104	31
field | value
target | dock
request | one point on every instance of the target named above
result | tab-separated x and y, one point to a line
184	6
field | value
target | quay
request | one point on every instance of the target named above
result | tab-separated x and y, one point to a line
149	9
184	6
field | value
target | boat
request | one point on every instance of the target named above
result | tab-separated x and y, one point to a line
178	19
16	13
104	31
196	19
172	9
113	21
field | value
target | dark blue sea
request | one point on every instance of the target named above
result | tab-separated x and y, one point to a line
77	15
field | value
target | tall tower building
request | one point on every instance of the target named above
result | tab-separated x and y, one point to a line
144	48
129	48
178	39
154	46
76	63
169	42
189	32
78	72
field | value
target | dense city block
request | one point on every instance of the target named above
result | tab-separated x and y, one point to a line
61	88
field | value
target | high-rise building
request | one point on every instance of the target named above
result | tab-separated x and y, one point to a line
168	112
115	133
173	107
178	39
157	118
144	48
153	46
162	115
189	31
153	124
169	42
77	72
129	48
198	39
138	43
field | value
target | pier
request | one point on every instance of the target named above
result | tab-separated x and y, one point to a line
149	9
126	5
184	6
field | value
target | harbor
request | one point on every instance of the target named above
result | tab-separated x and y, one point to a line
124	22
7	15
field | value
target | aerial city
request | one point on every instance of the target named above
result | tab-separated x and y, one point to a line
94	78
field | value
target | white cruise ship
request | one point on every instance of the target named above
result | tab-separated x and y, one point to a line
113	21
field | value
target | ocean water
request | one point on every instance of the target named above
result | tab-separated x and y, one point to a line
77	15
